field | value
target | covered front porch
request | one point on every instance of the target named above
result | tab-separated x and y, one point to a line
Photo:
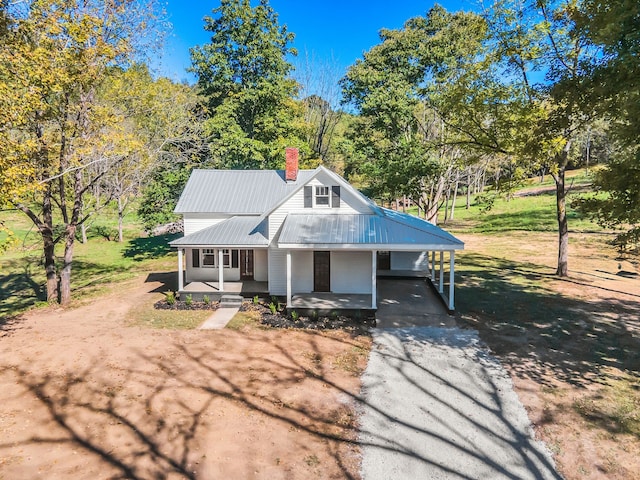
245	288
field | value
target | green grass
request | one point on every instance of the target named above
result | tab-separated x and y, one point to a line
99	262
244	319
531	212
147	316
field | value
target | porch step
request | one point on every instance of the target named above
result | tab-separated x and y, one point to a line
231	301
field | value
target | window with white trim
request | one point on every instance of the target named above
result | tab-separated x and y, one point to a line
226	258
322	196
208	257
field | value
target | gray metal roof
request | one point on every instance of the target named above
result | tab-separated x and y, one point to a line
244	230
237	191
390	228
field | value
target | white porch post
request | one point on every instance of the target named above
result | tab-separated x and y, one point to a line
433	266
180	271
288	278
441	289
451	281
374	269
220	270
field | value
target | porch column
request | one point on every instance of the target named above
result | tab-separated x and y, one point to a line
288	278
374	278
180	271
220	270
433	266
441	289
451	281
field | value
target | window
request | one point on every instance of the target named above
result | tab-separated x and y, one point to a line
226	258
322	195
208	257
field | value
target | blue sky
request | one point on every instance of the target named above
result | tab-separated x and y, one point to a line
330	30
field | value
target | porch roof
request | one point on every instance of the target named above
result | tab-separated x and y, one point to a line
386	229
235	231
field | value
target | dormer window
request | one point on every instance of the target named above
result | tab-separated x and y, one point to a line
322	196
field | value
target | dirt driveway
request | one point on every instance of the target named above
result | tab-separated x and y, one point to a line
84	396
436	403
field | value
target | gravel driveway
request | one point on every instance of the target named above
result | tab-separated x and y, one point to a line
437	405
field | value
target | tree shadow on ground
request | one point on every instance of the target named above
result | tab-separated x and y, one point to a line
168	281
179	412
174	412
19	291
140	249
541	333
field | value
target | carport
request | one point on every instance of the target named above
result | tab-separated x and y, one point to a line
410	302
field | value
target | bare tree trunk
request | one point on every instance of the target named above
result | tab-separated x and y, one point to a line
455	196
120	215
83	229
70	237
65	272
561	212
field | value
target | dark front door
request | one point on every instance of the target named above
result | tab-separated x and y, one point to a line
321	271
246	264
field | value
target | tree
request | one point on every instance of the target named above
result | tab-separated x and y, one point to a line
243	74
54	55
394	89
320	93
614	77
161	118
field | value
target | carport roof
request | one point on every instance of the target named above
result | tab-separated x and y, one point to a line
387	229
235	231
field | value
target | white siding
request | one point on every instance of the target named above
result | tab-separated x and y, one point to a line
194	222
277	272
350	272
414	261
302	271
260	265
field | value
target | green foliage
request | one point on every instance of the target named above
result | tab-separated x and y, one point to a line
188	301
256	299
206	300
273	308
616	203
170	297
161	194
294	315
243	74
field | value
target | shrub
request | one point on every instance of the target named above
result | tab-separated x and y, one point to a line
170	298
273	308
313	315
188	300
294	315
256	300
206	300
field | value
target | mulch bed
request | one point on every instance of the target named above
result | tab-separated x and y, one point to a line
182	305
356	324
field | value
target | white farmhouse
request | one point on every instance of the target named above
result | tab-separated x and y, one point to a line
305	235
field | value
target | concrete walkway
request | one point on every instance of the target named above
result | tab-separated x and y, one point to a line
437	405
219	318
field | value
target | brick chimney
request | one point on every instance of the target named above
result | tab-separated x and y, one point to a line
291	168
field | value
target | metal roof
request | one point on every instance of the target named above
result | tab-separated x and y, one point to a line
388	228
237	191
240	231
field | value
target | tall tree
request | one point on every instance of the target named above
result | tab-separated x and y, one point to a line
54	55
244	74
393	88
614	77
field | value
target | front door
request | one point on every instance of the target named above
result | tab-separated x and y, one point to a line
246	264
321	271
